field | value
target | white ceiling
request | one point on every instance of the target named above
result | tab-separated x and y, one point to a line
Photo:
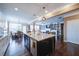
28	11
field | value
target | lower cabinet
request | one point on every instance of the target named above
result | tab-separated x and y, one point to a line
4	43
42	48
33	47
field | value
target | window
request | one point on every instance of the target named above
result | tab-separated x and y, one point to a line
14	27
3	28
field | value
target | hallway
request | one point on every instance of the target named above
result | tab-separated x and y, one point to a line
17	48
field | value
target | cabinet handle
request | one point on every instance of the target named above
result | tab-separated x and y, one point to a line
33	45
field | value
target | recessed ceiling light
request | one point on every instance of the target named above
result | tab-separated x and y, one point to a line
46	11
16	9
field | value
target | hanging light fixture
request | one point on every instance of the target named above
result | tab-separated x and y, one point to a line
41	17
44	18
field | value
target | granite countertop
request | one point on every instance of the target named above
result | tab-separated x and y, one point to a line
39	36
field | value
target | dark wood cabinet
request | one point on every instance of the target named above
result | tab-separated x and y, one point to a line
45	47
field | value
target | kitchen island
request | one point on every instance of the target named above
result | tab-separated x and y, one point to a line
40	44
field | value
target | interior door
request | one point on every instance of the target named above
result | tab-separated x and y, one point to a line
73	31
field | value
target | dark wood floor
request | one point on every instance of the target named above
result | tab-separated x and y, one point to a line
66	49
16	48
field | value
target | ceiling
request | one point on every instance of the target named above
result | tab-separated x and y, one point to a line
27	12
